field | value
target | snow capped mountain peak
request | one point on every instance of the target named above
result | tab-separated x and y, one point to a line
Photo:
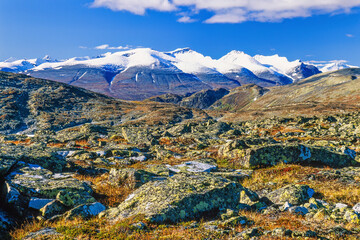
239	59
46	58
180	50
275	68
278	63
328	66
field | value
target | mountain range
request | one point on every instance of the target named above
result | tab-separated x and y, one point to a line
142	73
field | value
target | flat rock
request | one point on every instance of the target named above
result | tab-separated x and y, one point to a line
183	196
33	187
35	181
193	166
292	194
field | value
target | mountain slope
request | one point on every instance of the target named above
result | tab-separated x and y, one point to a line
29	104
324	93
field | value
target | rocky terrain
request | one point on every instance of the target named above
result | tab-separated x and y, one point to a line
80	165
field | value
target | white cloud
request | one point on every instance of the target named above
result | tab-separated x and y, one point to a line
186	19
135	6
107	46
349	35
235	11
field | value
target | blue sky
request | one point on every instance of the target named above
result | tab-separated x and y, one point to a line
68	28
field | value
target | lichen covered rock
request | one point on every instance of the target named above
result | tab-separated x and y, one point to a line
282	153
293	194
33	187
183	196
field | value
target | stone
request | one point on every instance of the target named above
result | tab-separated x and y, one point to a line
271	155
86	210
341	206
356	208
352	217
234	221
281	232
285	207
193	166
183	196
294	194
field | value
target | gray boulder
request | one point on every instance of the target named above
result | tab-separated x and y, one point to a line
293	194
183	196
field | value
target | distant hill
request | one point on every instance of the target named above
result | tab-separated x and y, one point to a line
333	92
29	104
321	93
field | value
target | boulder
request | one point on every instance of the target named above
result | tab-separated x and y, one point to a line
33	187
281	153
292	194
183	196
35	181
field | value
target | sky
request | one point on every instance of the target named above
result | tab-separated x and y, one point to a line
306	29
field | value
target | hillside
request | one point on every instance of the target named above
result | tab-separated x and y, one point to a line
28	104
324	93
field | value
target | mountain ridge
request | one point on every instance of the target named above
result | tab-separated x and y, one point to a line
142	73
